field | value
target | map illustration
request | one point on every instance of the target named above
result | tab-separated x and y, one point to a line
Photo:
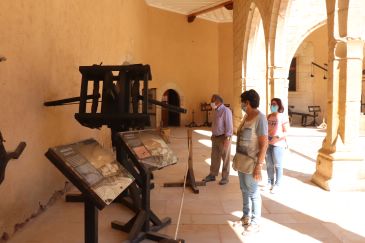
148	147
96	167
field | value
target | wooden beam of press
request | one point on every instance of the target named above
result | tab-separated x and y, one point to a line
227	4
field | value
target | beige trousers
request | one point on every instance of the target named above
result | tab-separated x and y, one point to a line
218	154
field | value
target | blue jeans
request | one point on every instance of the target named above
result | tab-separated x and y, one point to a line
274	164
251	197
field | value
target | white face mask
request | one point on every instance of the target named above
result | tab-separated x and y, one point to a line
213	105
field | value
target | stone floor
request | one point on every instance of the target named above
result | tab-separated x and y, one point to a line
300	212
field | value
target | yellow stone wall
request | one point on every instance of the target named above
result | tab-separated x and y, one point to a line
183	57
46	41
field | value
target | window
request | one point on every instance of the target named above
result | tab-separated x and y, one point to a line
293	75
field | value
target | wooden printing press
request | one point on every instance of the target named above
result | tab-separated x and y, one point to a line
123	108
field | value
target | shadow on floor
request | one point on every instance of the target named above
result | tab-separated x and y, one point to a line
302	155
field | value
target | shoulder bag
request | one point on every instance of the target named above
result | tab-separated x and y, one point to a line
243	163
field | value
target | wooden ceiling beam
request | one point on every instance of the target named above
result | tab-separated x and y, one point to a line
227	4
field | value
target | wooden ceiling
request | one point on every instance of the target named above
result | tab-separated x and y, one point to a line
219	11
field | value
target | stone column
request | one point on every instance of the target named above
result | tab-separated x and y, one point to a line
278	84
237	111
239	24
340	165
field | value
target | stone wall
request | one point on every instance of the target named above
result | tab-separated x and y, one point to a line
46	41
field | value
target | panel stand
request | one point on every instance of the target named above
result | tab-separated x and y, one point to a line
145	223
192	123
206	123
74	197
91	221
206	107
190	178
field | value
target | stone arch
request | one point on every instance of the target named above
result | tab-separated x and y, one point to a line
277	74
287	30
296	29
254	56
159	93
299	39
170	118
277	31
311	81
350	20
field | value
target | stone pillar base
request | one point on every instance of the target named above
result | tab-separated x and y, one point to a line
340	172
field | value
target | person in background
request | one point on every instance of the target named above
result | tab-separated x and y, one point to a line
222	130
251	141
278	125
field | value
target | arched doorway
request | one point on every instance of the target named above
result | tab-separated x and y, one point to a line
169	118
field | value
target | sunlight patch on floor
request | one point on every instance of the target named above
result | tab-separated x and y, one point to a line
232	172
233	149
206	142
203	132
290	232
237	214
209	134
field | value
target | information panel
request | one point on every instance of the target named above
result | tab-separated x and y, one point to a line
148	147
92	169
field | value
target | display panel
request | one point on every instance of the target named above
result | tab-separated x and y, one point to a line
92	169
148	147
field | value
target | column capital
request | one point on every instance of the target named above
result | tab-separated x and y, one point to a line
348	48
278	72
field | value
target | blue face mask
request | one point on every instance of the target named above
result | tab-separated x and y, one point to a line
274	108
244	107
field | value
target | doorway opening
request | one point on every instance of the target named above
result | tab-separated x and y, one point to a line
169	118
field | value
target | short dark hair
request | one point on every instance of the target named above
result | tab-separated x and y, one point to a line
252	97
280	104
217	97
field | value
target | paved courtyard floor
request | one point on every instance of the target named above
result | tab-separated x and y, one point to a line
299	212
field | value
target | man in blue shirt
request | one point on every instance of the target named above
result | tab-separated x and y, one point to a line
222	130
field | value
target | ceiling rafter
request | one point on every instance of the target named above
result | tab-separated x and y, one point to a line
227	4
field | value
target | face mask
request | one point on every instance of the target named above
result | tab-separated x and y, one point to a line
244	107
274	108
213	105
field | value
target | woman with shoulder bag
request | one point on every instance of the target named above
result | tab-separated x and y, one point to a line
250	154
278	125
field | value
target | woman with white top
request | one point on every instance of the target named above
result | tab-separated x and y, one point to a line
278	126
